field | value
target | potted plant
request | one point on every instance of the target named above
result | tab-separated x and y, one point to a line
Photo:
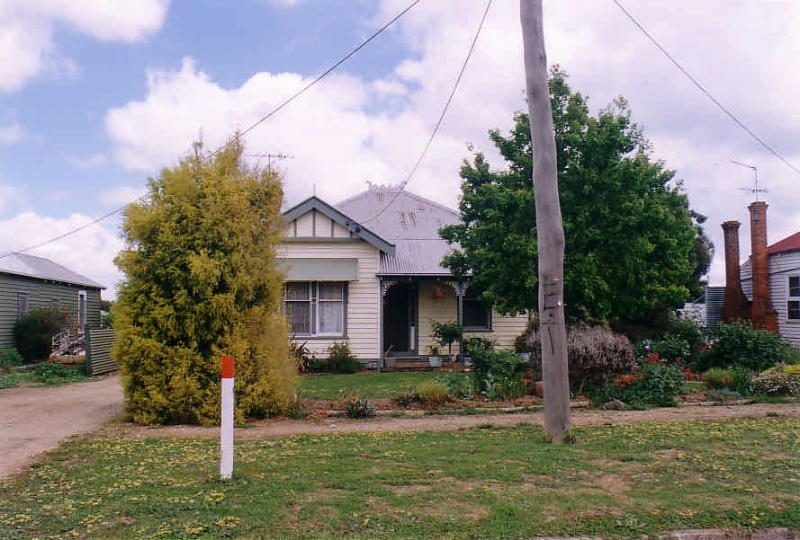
434	360
447	333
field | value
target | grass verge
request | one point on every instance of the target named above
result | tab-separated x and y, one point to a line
487	482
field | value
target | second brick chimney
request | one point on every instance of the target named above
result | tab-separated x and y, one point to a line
762	313
735	305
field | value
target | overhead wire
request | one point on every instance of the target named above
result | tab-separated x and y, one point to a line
707	93
438	122
242	133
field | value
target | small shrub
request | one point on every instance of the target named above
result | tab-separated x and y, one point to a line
340	359
776	384
33	333
653	385
741	379
596	356
740	344
301	354
295	411
672	348
52	374
721	396
359	408
716	378
497	374
791	369
459	385
447	333
432	393
10	358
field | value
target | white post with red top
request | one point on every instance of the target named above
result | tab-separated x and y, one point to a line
226	431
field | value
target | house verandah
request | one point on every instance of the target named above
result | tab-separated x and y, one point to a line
367	272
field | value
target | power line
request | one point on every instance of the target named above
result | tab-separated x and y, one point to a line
441	118
243	133
702	89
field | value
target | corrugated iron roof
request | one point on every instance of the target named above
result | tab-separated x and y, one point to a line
790	243
410	222
21	264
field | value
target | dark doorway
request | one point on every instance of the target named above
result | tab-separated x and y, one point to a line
399	318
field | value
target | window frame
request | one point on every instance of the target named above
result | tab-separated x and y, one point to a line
315	303
470	302
23	304
793	300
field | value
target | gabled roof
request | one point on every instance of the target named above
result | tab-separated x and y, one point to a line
790	243
351	224
21	264
411	222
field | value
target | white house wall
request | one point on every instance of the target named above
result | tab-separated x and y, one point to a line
363	297
505	329
781	266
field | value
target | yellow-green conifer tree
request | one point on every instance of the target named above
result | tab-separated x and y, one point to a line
201	282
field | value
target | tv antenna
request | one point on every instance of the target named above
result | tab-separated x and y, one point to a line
757	189
270	157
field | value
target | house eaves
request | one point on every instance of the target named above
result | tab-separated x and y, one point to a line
355	228
21	264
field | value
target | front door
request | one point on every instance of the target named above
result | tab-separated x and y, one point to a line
399	318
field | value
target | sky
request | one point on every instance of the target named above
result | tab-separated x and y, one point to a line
96	97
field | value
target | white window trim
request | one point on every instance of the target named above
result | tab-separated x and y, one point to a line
82	309
315	302
790	298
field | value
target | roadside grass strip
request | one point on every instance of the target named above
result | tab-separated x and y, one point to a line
485	482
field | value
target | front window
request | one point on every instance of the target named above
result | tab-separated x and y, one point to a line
315	308
793	303
476	315
22	305
82	309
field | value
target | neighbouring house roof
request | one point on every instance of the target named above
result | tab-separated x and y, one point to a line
790	243
410	222
21	264
348	222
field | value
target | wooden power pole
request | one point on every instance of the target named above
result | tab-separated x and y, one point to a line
549	227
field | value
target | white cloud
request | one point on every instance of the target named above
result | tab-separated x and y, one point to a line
11	134
89	252
95	161
26	32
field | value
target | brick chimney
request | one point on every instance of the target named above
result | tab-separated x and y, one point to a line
762	313
735	305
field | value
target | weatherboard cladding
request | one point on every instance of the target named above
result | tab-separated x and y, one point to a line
410	222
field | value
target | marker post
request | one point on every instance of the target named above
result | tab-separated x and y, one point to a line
226	431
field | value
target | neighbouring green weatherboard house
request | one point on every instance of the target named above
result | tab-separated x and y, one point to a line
28	282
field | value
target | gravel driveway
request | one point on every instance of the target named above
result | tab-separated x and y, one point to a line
34	420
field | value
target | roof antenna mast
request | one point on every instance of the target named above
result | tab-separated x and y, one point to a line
753	168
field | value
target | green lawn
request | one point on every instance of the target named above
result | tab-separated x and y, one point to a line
367	385
488	482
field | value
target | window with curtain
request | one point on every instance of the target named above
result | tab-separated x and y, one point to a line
316	308
793	303
476	314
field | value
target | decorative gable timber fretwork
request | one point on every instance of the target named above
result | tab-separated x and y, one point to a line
315	220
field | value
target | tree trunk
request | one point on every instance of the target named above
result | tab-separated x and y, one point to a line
550	231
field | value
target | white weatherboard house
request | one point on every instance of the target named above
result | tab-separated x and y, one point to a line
367	272
784	284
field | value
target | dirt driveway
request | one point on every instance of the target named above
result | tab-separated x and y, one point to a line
34	420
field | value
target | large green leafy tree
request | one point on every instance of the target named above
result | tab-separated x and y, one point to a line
634	248
200	282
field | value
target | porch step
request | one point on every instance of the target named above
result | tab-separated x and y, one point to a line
409	363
